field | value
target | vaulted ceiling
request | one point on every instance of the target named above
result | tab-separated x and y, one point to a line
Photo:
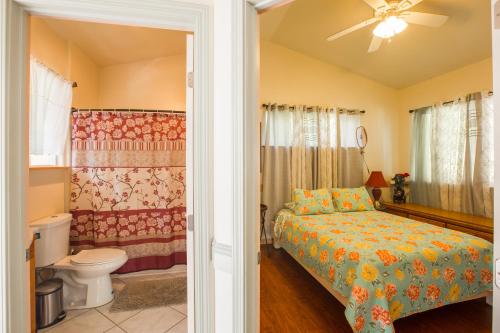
417	54
111	44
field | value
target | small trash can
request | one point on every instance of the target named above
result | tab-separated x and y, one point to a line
49	303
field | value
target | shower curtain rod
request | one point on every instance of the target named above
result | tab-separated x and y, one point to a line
309	108
490	93
129	110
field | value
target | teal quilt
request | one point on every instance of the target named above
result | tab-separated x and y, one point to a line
387	266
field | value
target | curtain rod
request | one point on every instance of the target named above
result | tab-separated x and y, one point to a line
128	110
309	108
490	93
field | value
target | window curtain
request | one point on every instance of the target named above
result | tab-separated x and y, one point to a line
128	186
307	149
452	156
50	109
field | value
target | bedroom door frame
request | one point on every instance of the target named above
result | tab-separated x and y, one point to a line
166	14
246	241
495	5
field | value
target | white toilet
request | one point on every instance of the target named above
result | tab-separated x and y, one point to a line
86	279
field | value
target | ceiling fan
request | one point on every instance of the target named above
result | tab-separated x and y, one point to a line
393	17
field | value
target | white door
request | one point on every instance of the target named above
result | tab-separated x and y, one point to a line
189	179
496	86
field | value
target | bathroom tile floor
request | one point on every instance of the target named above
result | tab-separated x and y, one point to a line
171	319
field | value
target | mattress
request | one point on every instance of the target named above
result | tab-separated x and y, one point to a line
383	267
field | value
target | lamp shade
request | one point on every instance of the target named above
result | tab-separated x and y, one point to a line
376	180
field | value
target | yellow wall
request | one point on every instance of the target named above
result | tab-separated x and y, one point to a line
293	78
473	78
151	84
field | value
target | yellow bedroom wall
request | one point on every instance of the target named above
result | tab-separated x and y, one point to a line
48	189
472	78
289	77
150	84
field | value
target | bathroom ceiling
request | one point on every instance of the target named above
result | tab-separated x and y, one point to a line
418	54
109	44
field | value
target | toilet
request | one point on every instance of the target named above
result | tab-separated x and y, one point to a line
86	275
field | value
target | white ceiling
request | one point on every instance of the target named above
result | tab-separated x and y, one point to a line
110	44
417	54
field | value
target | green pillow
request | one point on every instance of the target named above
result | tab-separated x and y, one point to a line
312	202
352	199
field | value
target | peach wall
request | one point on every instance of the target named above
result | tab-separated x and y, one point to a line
473	78
86	73
293	78
48	189
151	84
66	59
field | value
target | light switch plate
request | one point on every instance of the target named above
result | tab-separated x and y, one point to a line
497	15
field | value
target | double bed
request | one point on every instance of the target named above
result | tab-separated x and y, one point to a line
383	267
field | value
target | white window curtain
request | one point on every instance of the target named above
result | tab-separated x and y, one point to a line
309	149
452	155
50	109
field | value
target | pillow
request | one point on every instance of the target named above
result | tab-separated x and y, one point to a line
312	202
290	205
352	199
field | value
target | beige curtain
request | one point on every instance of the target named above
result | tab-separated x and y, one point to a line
452	156
309	149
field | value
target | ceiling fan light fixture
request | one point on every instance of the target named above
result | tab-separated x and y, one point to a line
390	27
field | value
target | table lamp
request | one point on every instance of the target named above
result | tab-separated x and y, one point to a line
376	181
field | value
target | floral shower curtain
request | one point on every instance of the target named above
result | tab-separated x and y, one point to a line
128	186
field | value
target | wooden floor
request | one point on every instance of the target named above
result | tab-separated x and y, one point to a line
292	301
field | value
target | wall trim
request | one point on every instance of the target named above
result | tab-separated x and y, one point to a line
265	5
169	14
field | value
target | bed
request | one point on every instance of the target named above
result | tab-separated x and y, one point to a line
382	267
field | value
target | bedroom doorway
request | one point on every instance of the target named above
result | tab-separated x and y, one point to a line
192	221
284	41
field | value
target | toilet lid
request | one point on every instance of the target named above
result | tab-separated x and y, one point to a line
96	256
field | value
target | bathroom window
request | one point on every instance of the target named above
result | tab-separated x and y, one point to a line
50	109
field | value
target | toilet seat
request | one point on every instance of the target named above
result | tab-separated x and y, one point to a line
96	257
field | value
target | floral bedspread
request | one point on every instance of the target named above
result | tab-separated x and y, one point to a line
387	266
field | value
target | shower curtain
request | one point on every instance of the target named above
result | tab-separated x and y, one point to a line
128	186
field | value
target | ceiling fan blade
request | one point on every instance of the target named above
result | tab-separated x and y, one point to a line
352	29
375	44
378	5
428	20
407	4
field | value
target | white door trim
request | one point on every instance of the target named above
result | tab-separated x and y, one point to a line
167	14
495	19
245	244
265	5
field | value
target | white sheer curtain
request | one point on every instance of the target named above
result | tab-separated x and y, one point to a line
50	109
307	149
452	155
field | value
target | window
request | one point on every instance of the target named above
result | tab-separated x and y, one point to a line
452	155
324	128
50	109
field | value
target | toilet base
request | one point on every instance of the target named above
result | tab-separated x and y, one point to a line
83	293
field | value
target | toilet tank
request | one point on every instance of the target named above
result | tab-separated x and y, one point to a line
53	243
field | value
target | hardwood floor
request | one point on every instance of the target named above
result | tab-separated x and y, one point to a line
292	301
